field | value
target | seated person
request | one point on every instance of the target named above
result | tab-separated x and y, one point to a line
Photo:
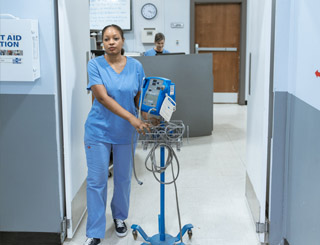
159	40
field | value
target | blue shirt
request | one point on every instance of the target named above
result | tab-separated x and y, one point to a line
103	125
152	52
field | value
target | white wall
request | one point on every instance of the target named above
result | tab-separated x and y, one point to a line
307	49
177	39
168	11
282	45
297	49
47	83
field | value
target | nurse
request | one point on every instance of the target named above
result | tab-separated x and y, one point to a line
115	81
159	40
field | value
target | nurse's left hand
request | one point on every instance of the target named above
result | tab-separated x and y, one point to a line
152	119
139	125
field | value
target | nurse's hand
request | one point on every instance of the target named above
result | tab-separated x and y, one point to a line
139	125
154	121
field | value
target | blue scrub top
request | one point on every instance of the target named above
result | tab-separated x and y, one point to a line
152	52
103	125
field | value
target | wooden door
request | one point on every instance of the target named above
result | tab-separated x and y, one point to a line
218	25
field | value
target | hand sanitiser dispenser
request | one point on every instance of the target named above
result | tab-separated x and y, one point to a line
158	97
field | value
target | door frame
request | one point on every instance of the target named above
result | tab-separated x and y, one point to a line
72	89
243	40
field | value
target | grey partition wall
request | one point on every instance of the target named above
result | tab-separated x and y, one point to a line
193	77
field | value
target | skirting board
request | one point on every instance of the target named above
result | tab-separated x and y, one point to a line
225	97
29	238
252	200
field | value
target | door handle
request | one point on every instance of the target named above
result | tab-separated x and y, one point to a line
215	49
87	60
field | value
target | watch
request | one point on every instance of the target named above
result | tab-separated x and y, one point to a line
149	11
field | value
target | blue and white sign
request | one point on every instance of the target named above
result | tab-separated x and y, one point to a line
19	50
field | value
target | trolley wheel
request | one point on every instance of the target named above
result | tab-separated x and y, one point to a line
190	234
135	234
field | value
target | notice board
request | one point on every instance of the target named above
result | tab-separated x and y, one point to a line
106	12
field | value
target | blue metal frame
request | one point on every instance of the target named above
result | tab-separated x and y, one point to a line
162	237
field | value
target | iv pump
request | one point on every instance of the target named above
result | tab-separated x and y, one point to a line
158	97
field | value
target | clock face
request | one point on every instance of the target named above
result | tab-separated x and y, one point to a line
149	11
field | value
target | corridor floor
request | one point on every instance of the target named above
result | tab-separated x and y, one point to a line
211	190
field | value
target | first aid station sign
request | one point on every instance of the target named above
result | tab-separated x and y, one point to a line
19	50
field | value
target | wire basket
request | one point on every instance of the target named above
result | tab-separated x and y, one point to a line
166	132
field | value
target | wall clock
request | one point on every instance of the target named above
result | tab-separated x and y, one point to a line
149	11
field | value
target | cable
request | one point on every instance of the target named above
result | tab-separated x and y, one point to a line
177	202
140	99
133	162
134	133
174	131
158	169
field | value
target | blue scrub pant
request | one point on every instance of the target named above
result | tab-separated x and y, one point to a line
98	156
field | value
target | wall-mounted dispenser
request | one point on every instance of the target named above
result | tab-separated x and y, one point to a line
147	35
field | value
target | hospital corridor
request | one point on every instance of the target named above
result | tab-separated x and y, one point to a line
159	122
211	189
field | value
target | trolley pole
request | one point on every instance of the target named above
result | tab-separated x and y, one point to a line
162	197
163	142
